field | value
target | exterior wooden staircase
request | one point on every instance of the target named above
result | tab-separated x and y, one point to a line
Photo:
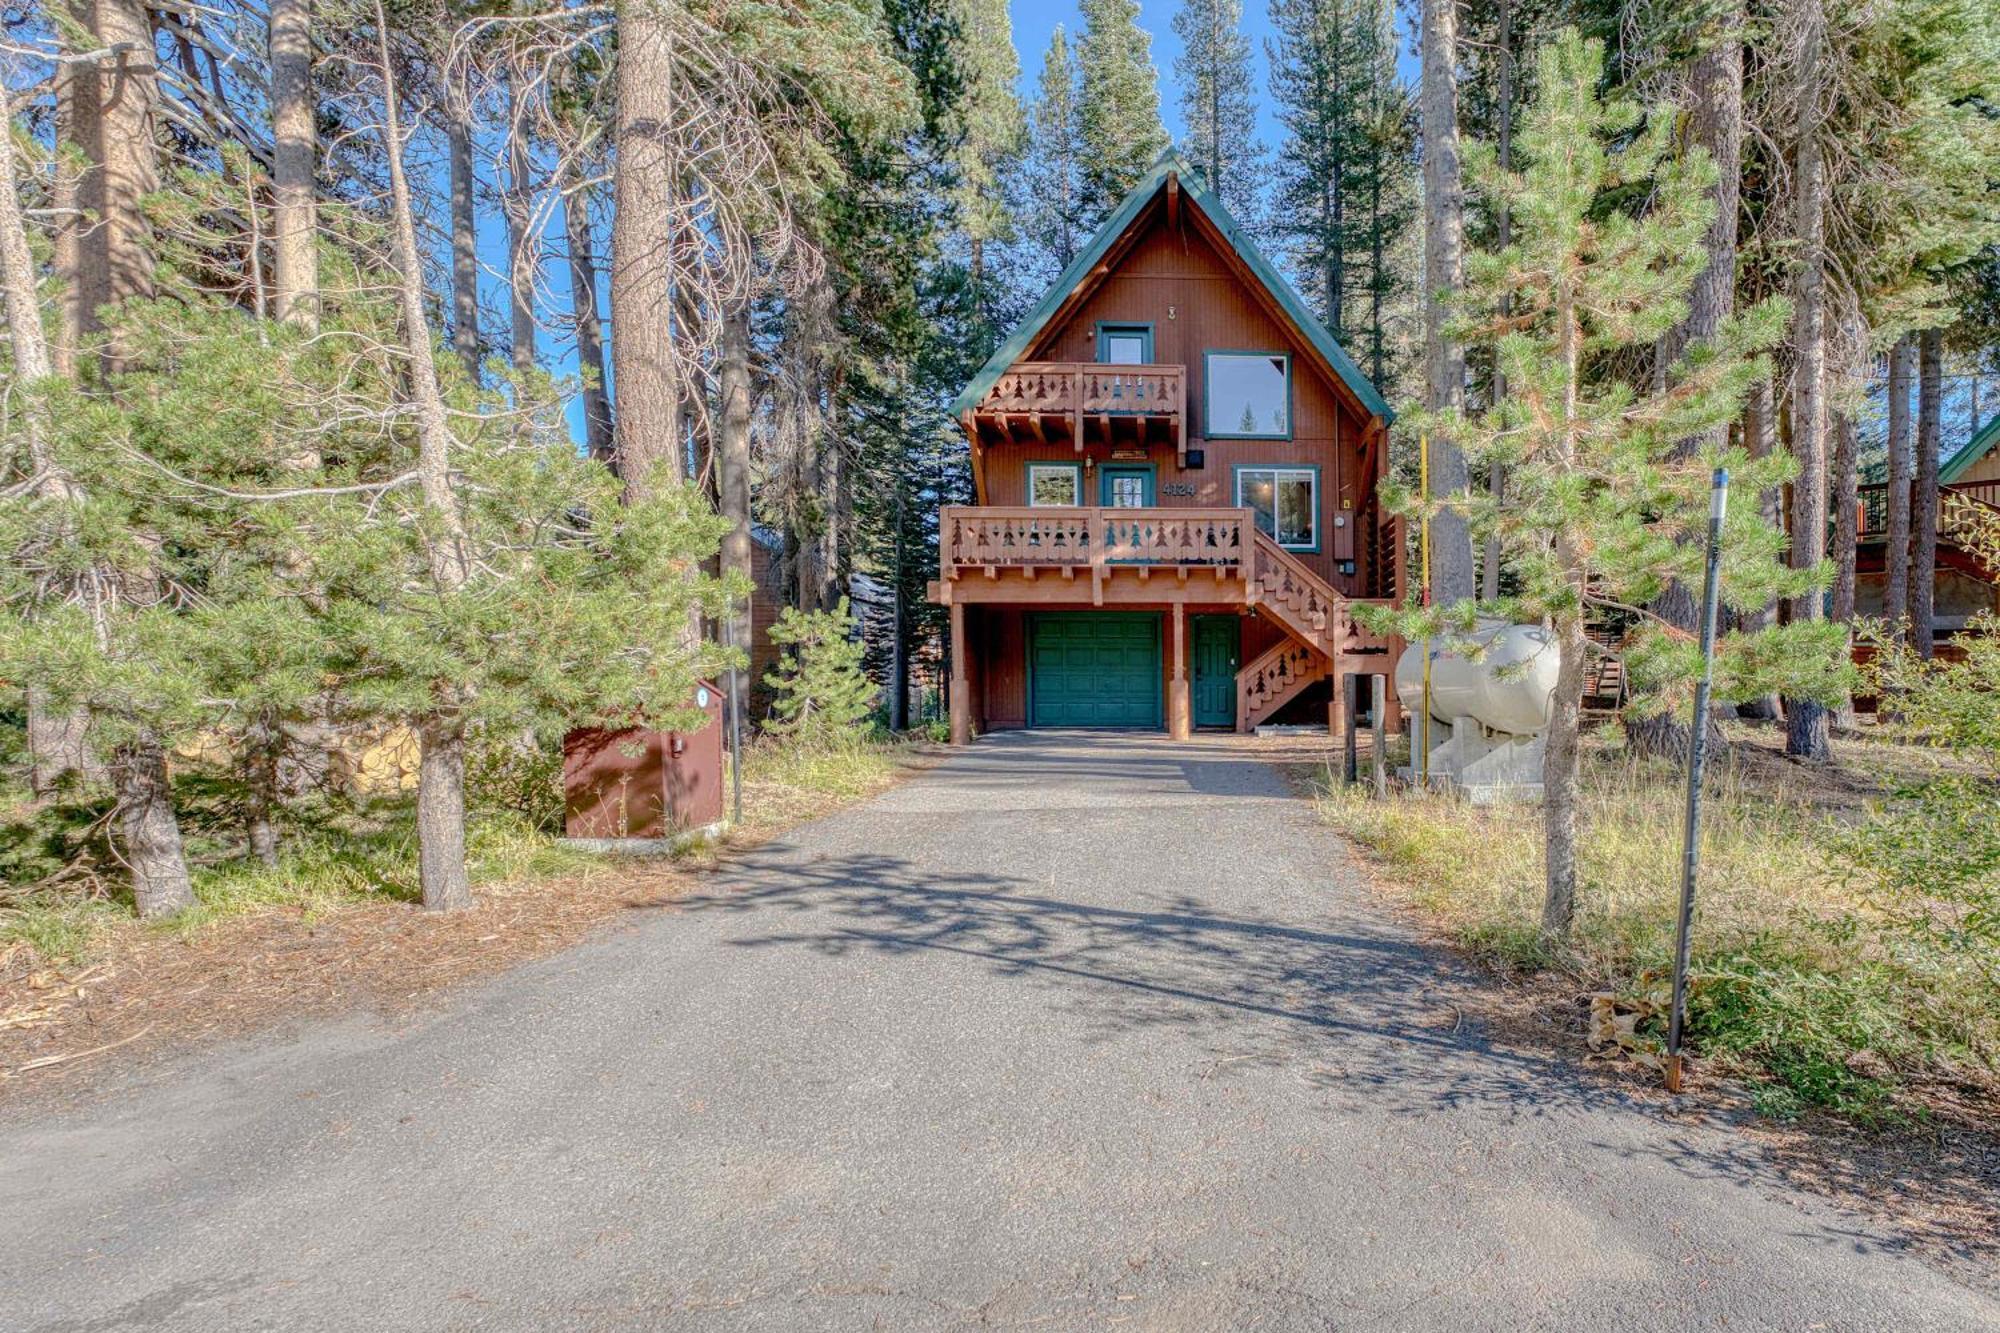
1267	684
1314	616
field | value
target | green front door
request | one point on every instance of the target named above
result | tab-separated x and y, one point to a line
1215	653
1094	669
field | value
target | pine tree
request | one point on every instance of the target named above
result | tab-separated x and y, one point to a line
995	131
821	696
1052	175
1600	488
1344	179
1118	118
1216	104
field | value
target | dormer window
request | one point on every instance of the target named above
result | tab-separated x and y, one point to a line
1125	344
1248	395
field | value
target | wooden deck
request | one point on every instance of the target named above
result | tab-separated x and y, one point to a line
1171	558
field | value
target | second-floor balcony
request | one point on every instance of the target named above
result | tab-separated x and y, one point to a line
1077	402
1953	500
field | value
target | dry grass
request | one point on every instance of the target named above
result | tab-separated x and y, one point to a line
1792	973
1796	983
85	988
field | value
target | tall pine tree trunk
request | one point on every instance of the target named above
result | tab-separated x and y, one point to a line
1715	122
149	829
1760	438
1806	719
1444	273
642	240
294	164
441	870
1845	482
1924	496
1561	743
580	236
1496	477
732	456
1896	549
115	111
464	236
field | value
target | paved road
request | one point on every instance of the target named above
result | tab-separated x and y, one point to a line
1073	1032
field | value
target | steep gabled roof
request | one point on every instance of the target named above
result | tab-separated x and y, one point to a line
1974	449
1173	165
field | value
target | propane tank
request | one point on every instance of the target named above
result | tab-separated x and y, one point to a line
1510	688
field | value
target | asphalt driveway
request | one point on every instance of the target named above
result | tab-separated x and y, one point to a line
1072	1032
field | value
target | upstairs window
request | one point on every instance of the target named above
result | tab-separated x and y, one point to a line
1285	501
1125	344
1248	395
1055	484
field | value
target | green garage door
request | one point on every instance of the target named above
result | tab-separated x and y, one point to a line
1094	669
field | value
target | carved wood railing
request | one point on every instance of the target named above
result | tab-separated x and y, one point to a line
1265	685
1014	537
1078	389
1299	599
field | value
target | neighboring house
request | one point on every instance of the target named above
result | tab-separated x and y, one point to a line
767	574
1176	470
1963	585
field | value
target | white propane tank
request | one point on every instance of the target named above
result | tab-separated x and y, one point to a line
1510	689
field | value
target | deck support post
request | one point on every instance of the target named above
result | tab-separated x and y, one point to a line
961	688
1180	714
1340	720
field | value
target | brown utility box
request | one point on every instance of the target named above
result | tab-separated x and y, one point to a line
640	785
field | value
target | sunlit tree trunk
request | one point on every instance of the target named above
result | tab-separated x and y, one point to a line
294	164
642	239
441	870
1444	273
1806	719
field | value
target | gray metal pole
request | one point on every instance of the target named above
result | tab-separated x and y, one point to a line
1718	502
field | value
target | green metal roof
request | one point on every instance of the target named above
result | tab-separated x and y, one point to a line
1970	452
1171	163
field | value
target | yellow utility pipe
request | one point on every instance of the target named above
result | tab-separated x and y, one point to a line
1423	764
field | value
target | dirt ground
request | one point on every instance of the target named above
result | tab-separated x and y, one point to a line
148	994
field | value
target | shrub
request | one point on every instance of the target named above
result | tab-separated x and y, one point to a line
821	694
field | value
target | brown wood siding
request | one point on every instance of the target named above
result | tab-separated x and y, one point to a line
1174	280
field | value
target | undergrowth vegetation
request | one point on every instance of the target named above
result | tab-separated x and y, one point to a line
62	898
1825	985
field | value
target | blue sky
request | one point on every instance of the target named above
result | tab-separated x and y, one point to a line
1035	22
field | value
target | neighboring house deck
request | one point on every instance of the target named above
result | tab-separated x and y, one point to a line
1963	584
1176	471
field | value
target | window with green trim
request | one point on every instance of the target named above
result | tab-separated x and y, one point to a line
1248	395
1055	484
1285	501
1125	344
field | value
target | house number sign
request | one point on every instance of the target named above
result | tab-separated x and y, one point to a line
1178	488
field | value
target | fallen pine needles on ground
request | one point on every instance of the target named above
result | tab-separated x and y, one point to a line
335	925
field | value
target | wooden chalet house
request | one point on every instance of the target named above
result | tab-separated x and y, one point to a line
1176	470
